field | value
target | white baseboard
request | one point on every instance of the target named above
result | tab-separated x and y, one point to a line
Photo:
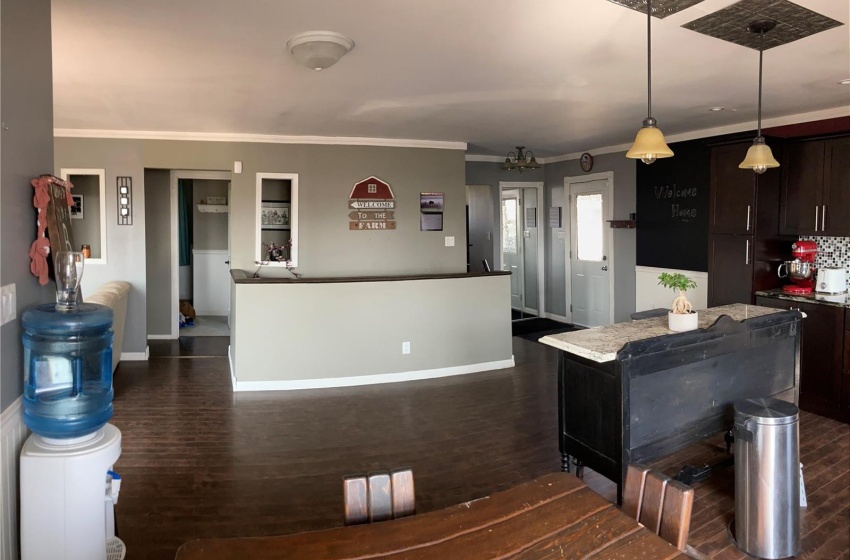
13	433
160	337
556	317
136	356
295	384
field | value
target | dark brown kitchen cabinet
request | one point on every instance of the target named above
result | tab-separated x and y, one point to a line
744	245
815	196
845	380
733	191
730	269
836	188
823	389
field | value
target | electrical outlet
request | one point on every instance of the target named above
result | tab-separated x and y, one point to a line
405	347
450	241
8	304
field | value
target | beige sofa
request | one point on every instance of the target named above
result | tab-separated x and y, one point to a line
114	295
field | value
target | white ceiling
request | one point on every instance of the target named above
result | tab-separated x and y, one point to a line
558	76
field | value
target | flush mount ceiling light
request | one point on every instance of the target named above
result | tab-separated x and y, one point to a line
759	157
318	50
520	160
649	143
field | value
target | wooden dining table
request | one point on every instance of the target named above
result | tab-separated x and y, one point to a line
555	516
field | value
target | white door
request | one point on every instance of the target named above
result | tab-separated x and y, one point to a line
512	245
589	282
227	262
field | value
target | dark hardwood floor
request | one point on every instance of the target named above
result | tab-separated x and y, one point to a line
201	461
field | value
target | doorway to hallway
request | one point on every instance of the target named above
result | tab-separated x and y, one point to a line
200	252
521	246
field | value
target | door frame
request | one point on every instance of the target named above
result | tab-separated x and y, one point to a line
175	235
607	176
541	239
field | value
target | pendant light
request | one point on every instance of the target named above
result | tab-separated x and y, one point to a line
649	143
759	157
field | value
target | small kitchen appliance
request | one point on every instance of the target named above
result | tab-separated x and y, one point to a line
831	280
800	271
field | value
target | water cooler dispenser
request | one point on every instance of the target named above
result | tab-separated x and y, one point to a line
68	489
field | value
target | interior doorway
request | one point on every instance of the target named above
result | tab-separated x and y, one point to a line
590	251
200	253
521	246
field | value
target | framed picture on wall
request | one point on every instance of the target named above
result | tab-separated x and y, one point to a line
274	214
77	209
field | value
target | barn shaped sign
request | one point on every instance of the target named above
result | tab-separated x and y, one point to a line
373	203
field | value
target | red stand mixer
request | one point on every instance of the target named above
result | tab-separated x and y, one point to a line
800	271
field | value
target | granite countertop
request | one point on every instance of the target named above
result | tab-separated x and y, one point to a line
601	344
246	277
840	300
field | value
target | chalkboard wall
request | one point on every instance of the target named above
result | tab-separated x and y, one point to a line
672	208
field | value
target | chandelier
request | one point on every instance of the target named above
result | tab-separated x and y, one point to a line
520	160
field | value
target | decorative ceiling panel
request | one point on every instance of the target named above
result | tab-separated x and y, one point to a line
660	8
793	22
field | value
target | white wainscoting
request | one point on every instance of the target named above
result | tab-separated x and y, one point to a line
649	295
12	436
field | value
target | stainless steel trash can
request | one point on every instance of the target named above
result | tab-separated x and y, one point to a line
767	478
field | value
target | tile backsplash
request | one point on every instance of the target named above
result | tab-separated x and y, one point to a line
832	251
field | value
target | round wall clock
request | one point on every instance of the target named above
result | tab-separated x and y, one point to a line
586	162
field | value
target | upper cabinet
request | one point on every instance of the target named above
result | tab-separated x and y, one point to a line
836	187
277	219
816	188
733	191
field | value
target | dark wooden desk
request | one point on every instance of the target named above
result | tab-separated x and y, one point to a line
555	516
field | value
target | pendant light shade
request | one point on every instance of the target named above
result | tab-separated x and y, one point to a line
759	157
649	143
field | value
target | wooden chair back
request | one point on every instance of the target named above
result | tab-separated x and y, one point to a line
659	503
378	496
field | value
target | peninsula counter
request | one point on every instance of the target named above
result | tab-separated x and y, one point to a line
633	392
305	333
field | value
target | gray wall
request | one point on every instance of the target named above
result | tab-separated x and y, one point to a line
326	174
87	230
26	152
158	251
624	239
209	230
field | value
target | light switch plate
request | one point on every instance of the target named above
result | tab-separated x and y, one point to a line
450	241
8	304
405	347
562	235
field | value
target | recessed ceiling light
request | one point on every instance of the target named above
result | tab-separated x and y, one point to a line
715	109
845	82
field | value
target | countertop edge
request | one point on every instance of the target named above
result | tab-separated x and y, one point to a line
243	277
779	294
578	350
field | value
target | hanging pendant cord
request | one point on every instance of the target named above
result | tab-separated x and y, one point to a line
761	54
648	58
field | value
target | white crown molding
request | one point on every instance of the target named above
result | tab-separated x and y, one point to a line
255	138
835	112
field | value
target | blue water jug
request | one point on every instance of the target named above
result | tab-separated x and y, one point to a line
67	369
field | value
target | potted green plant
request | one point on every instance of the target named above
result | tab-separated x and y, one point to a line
682	317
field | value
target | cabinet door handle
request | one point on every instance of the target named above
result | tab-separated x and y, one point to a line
823	219
816	217
748	217
747	254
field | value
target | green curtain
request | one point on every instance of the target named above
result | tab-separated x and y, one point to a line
184	217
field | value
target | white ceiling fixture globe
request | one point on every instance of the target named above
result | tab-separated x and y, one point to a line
318	50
